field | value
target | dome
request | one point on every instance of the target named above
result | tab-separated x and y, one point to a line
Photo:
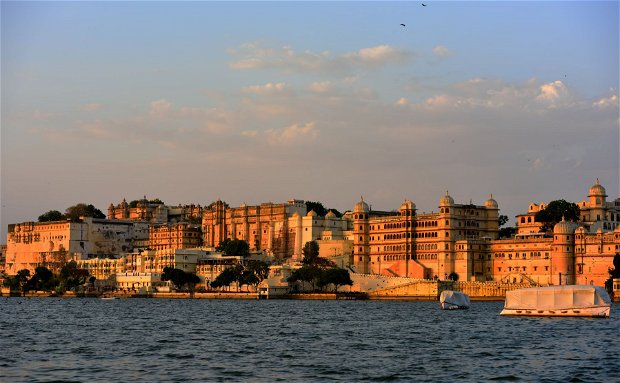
597	190
311	213
361	206
564	227
407	205
491	203
295	214
330	214
446	200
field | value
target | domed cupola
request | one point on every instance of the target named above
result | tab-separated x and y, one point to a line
407	205
311	213
330	214
564	227
446	200
597	190
491	203
361	207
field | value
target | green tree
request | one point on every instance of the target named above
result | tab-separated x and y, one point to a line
180	278
22	277
228	276
453	276
83	210
71	276
613	274
52	215
43	279
503	219
156	201
338	277
318	208
306	273
236	247
555	211
310	252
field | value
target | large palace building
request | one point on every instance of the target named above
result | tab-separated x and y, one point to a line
459	240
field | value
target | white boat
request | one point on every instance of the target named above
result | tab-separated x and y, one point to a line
453	300
560	301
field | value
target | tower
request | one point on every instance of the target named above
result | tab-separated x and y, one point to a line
563	254
361	243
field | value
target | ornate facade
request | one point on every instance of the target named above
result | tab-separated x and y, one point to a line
32	244
155	213
266	227
175	236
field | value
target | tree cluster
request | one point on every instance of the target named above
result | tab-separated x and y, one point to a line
180	278
72	213
318	271
251	273
555	212
321	210
613	273
236	247
43	279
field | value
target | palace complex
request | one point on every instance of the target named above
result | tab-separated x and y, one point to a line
459	239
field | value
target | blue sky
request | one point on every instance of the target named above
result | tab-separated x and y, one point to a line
267	101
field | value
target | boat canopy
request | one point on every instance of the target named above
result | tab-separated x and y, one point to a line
454	298
557	297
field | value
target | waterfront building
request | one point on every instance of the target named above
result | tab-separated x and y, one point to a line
175	236
211	265
50	244
430	245
154	212
268	227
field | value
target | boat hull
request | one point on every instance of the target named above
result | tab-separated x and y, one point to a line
450	306
588	312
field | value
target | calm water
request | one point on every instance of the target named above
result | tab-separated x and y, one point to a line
148	340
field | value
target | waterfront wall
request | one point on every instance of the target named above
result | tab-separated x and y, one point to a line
385	287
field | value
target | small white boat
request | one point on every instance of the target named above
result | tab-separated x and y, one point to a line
558	301
453	300
109	298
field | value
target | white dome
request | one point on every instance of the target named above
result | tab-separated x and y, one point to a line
446	200
597	190
361	207
491	203
564	227
407	205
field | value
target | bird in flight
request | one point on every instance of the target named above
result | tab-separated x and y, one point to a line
424	5
403	25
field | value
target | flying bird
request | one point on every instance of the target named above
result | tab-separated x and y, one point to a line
403	25
424	5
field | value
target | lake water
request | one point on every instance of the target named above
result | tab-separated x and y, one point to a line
159	340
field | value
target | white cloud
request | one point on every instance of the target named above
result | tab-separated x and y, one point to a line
441	51
267	89
293	134
160	108
606	102
321	87
254	56
552	92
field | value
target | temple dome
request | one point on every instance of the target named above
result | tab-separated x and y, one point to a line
597	190
361	207
311	213
407	205
330	214
491	203
564	227
446	200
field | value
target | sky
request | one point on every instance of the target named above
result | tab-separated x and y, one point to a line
253	102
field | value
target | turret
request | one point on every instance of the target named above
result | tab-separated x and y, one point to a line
563	253
361	243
